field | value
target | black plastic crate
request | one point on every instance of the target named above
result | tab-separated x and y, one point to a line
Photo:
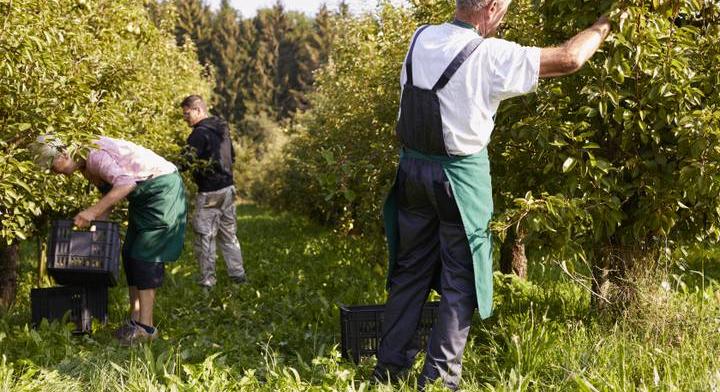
84	257
361	329
83	303
96	300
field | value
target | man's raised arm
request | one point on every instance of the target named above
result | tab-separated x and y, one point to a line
571	56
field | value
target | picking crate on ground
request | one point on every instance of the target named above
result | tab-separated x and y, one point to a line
84	257
83	303
361	329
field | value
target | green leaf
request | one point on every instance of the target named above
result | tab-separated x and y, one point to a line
568	164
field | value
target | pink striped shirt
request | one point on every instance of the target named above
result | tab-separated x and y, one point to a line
119	162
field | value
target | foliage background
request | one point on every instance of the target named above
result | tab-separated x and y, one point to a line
615	162
622	153
78	69
263	69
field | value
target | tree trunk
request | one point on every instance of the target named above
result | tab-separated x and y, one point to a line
42	250
512	254
42	261
8	274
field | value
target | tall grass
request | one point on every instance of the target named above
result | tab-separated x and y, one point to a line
280	332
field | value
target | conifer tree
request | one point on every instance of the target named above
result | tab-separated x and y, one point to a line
283	56
324	33
260	77
229	58
343	10
193	22
302	40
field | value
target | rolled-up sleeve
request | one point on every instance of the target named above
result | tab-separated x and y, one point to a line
515	69
103	165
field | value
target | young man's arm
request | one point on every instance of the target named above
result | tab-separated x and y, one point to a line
571	56
193	151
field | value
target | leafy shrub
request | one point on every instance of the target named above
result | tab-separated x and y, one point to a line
620	155
79	69
341	160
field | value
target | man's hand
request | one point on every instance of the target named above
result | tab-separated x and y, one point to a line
84	218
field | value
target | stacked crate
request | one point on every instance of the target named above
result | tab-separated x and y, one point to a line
86	263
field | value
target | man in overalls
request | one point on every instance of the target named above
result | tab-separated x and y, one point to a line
437	214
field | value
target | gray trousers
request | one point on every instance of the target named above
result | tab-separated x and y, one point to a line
214	219
432	241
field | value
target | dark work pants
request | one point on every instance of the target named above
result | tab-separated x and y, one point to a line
431	240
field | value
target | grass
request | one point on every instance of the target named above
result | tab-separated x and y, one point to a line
280	332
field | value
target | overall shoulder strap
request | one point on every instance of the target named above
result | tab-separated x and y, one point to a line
408	63
456	63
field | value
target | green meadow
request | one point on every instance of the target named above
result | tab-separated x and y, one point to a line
281	331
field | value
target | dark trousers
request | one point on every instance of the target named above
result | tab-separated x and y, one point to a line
432	241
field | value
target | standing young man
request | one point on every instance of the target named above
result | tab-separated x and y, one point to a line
210	149
437	214
157	214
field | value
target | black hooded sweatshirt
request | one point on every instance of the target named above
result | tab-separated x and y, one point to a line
210	148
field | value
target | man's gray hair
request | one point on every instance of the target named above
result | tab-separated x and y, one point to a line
476	5
45	149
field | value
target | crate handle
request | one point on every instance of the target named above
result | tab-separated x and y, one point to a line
91	229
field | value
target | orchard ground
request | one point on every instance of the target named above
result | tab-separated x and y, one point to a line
280	332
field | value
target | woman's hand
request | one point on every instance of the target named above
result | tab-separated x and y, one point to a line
84	218
117	193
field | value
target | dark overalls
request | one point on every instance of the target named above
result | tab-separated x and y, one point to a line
436	219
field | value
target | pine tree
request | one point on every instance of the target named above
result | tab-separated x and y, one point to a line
343	10
229	58
302	58
283	58
260	77
324	33
264	65
193	22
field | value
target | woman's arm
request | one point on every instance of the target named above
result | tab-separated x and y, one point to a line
116	194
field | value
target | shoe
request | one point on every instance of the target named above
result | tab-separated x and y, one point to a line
385	373
242	279
138	335
125	329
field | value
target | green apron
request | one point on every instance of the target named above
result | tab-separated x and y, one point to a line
469	178
156	220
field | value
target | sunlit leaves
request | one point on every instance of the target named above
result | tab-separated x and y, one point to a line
81	69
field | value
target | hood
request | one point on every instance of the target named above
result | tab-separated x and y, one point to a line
213	124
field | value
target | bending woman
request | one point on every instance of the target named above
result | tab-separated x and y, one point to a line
156	222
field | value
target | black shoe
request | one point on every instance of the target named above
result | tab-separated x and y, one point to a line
242	279
388	373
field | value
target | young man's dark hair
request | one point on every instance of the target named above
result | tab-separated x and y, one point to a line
194	101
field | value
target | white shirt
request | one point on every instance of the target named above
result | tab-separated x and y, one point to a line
496	71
